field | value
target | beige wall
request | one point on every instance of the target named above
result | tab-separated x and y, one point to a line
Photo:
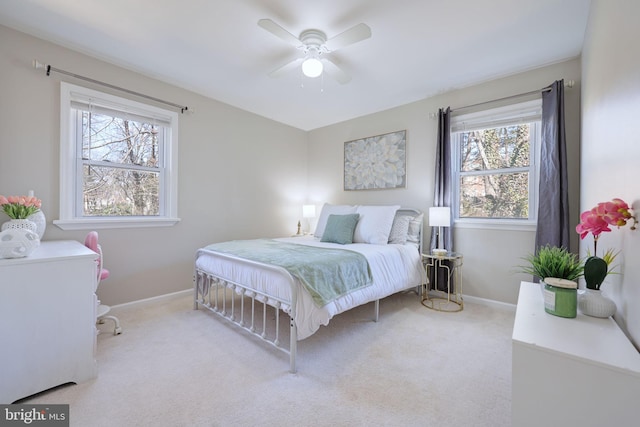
491	257
610	143
240	175
243	176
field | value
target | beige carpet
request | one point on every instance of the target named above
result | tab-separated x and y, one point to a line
174	366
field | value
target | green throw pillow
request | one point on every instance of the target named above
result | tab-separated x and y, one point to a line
340	228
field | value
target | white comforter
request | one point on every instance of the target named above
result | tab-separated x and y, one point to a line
393	267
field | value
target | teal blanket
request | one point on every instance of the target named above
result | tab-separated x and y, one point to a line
326	273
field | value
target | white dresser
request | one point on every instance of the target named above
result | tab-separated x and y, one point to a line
571	372
47	319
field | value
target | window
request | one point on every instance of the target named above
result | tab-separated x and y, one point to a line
495	172
118	162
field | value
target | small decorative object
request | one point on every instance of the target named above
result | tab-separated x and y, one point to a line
19	224
40	221
19	208
560	297
39	218
17	243
593	303
376	162
596	221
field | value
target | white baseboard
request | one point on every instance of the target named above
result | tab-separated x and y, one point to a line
156	298
466	298
489	302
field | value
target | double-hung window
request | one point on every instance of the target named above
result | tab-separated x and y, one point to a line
495	173
118	161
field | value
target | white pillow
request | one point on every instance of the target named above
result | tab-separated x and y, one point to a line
329	209
375	224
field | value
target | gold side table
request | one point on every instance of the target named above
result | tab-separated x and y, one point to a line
450	264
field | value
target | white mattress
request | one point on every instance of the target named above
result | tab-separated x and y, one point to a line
393	267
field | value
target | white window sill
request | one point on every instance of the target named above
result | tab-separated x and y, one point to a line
105	223
496	224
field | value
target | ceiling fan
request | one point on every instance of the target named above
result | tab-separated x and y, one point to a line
315	45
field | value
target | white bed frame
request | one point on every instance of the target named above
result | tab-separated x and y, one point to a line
211	292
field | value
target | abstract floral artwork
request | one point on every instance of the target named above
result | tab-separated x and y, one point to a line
376	162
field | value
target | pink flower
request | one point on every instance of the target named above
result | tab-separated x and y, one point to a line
615	212
32	201
597	220
591	222
20	207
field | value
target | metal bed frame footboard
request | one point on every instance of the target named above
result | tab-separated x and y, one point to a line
211	292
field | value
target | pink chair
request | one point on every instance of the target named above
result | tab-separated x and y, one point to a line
91	241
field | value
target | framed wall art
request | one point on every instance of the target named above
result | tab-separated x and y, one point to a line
377	162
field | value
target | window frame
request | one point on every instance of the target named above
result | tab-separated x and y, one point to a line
71	163
517	113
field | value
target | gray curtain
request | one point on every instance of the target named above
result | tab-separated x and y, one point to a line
442	191
553	209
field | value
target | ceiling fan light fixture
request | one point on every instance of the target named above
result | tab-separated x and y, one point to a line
312	67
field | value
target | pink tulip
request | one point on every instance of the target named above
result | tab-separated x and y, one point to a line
20	207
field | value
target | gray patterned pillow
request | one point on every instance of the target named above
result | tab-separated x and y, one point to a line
400	229
415	226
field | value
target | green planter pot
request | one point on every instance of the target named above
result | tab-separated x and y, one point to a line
560	297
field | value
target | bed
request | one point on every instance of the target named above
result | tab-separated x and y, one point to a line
252	291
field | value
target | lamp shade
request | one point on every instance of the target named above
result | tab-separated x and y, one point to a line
440	216
308	211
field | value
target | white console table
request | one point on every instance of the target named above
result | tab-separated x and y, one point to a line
47	319
571	372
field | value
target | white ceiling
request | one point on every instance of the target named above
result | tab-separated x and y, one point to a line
418	48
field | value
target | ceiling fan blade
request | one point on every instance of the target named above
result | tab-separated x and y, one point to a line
279	32
279	72
352	35
335	72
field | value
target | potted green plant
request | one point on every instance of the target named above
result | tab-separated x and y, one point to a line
559	270
552	261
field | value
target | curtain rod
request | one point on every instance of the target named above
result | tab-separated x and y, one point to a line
39	65
568	84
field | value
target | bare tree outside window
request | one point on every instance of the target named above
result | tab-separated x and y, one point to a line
121	159
494	172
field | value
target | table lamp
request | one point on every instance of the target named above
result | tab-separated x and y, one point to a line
440	217
308	211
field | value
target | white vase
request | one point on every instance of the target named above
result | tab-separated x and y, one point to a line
20	224
592	303
40	221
